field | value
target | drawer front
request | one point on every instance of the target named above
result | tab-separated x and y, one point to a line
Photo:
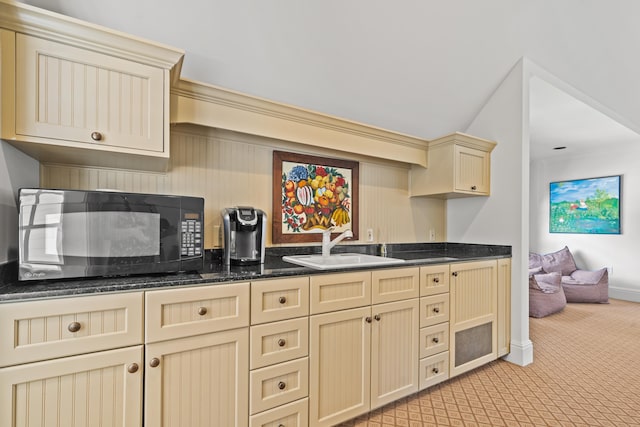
279	384
294	414
434	310
278	342
280	299
40	330
333	292
434	339
434	370
394	285
177	313
434	279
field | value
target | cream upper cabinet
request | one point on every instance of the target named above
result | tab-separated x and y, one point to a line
99	98
459	165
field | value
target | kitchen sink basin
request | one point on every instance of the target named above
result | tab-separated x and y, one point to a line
338	261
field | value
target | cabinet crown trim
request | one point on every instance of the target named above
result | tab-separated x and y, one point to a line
258	116
464	140
42	23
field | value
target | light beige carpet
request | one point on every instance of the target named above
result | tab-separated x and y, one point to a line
586	372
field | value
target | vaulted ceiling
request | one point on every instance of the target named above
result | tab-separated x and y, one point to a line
421	67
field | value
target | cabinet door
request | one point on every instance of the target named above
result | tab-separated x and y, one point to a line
97	389
339	359
394	351
473	315
472	172
504	306
198	381
65	94
394	284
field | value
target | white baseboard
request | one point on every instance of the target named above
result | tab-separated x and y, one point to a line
521	353
624	294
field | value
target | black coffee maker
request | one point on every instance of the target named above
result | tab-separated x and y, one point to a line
245	230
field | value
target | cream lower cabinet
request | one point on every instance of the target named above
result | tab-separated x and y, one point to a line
361	358
504	306
86	362
197	356
473	324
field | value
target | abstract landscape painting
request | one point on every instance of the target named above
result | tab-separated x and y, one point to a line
589	206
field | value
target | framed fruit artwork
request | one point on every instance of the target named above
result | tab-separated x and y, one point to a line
312	194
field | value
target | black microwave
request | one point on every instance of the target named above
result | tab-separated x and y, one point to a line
72	233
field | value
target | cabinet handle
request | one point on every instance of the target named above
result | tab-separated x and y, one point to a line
436	280
454	274
436	309
154	363
435	340
367	319
133	368
202	311
96	136
377	317
435	370
74	327
281	425
282	342
282	300
282	385
473	187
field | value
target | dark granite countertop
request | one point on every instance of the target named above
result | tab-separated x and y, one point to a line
414	254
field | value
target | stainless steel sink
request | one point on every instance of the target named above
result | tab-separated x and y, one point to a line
338	261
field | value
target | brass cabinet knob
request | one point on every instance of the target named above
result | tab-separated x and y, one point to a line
436	280
367	319
282	342
473	187
74	327
377	317
282	300
133	368
154	363
282	385
202	311
454	274
96	136
435	370
436	310
435	340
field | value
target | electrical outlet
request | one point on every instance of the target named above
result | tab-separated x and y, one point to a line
369	234
432	235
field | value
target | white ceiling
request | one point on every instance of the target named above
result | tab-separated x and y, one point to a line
559	120
420	67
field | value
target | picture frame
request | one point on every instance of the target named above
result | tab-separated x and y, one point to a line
312	194
585	206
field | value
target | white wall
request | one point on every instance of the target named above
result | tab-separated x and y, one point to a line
502	217
16	170
591	252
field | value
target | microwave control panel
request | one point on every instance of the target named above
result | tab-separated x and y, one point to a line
191	238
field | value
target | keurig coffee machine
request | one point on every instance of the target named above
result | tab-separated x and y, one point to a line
245	230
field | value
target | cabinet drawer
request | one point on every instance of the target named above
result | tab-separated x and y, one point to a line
434	370
273	300
340	291
434	309
434	279
177	313
434	339
394	285
294	414
273	343
279	384
40	330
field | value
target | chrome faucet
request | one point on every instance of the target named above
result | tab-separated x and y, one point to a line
327	243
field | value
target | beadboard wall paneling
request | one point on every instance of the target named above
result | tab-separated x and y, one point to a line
230	169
